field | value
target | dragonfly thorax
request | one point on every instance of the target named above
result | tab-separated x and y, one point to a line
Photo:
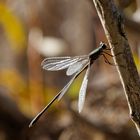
103	46
97	52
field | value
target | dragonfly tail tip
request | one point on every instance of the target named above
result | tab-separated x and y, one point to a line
30	125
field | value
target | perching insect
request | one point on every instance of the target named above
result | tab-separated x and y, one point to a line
74	65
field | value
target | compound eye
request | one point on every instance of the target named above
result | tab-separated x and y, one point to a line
104	46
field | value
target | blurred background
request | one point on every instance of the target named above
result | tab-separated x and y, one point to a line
33	30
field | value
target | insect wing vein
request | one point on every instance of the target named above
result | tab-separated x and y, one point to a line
82	91
54	59
77	66
58	96
63	91
53	64
43	110
61	66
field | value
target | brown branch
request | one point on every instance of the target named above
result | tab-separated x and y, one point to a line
112	22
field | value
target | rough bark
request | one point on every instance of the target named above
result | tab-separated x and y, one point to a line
112	22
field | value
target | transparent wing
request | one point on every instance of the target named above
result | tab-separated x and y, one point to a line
77	66
66	87
71	81
43	110
83	88
59	63
61	93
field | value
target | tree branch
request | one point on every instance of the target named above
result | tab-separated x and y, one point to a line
112	22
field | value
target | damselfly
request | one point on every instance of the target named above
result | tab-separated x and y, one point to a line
74	65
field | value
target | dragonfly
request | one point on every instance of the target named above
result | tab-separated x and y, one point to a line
75	66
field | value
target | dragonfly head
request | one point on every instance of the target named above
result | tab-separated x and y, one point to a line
103	46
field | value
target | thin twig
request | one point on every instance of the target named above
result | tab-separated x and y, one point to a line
112	22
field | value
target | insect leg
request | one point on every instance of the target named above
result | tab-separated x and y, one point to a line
108	54
106	61
112	55
109	48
